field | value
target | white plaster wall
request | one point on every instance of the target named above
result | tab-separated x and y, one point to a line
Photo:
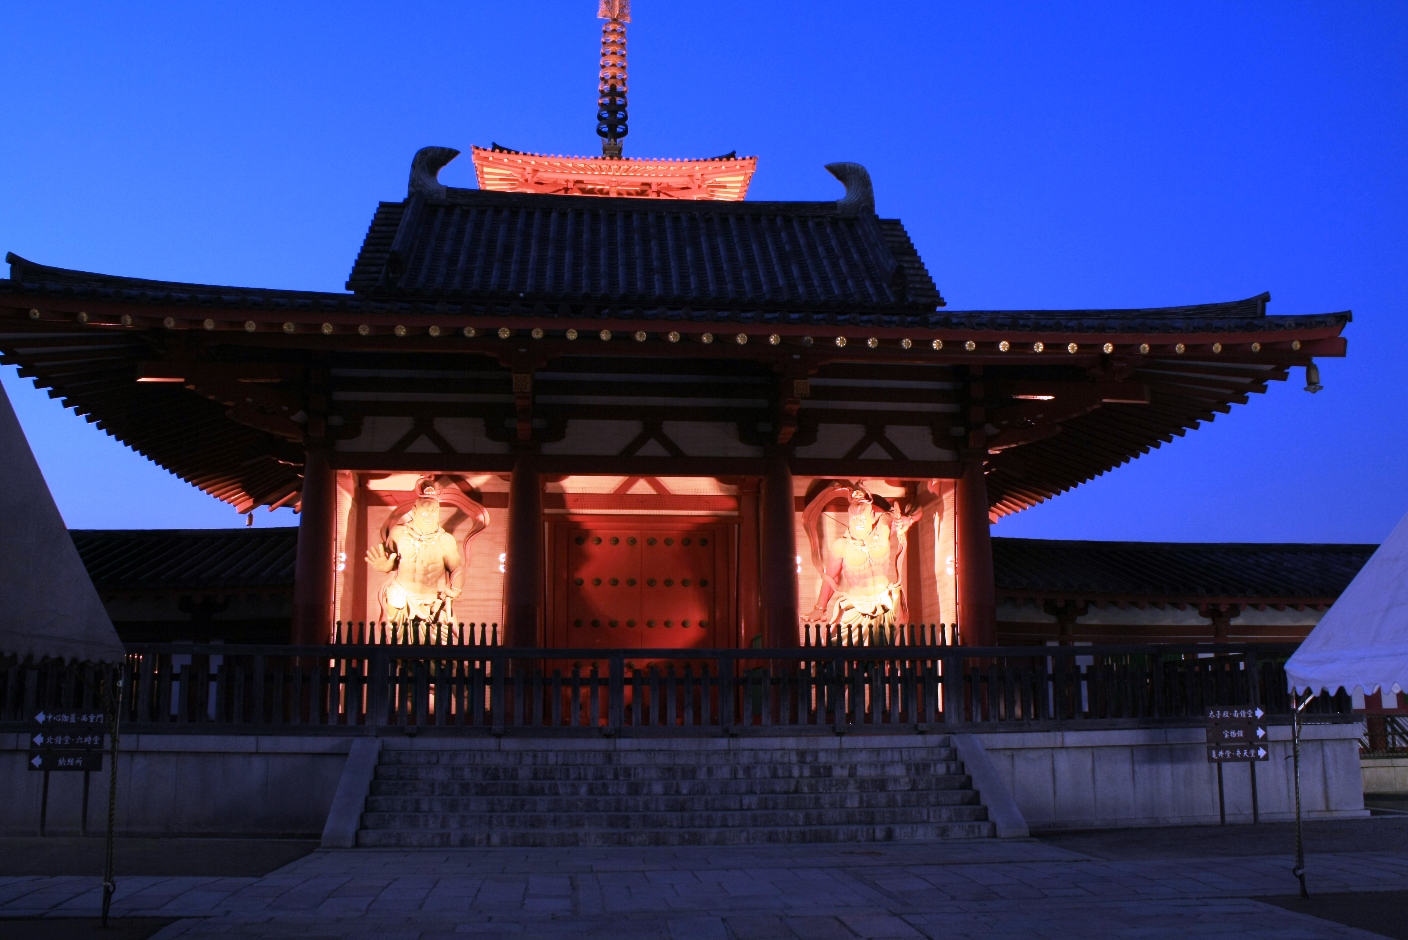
708	439
1029	611
467	436
596	437
833	440
1270	617
917	443
379	432
1161	777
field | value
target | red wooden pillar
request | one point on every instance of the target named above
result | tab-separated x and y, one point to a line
523	568
317	537
750	624
778	538
977	590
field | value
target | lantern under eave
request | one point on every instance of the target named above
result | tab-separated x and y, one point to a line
721	179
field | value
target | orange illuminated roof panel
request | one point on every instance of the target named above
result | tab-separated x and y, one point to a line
723	179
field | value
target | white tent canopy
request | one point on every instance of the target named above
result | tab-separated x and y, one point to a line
48	605
1362	641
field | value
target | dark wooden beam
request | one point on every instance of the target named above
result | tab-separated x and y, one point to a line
647	466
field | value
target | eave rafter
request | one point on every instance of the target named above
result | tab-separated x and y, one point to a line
1060	406
1101	600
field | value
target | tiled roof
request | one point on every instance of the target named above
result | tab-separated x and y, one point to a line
26	277
1175	570
1238	316
531	249
1241	316
189	559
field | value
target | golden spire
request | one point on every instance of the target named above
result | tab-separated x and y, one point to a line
611	89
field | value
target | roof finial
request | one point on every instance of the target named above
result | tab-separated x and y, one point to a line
611	90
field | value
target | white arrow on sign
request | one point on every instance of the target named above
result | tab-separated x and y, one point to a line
1261	752
37	760
1260	733
39	740
40	718
1259	713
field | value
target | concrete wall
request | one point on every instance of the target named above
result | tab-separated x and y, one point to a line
1161	777
285	784
174	783
1385	774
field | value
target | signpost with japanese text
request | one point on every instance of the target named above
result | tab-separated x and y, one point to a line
66	741
1236	735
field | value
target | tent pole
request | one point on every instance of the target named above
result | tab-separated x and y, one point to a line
112	693
1299	870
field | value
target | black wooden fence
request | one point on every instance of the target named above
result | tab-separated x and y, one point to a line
491	689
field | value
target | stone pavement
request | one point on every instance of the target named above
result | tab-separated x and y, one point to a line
973	889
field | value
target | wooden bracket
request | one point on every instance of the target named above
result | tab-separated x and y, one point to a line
252	393
1041	408
793	386
523	405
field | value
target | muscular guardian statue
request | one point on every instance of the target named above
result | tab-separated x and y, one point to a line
861	575
425	564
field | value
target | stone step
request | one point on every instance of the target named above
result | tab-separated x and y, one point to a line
650	803
608	793
698	787
739	819
589	757
697	771
557	838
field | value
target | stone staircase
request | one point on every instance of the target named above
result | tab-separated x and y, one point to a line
634	792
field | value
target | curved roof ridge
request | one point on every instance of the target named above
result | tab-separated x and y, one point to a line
57	275
1283	546
1248	306
279	531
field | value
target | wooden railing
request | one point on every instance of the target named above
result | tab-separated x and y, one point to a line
490	689
1384	736
899	634
420	633
416	633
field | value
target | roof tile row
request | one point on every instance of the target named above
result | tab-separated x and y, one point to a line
1236	317
1176	569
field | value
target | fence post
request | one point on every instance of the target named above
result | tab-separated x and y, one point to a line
1157	663
727	715
259	664
498	665
1060	667
953	686
615	694
841	686
377	679
1253	667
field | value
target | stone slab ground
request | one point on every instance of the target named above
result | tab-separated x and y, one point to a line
1191	882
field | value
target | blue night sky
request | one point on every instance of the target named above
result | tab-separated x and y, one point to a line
1041	155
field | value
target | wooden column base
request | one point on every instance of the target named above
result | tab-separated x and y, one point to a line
317	538
523	568
977	590
778	538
